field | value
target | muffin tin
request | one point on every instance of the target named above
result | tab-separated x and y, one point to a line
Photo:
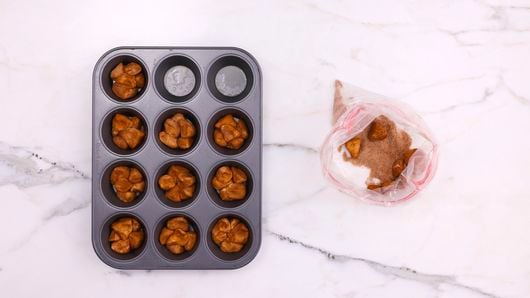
204	105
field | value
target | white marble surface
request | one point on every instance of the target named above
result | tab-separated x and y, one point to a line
464	65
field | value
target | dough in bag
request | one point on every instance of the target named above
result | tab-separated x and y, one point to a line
353	110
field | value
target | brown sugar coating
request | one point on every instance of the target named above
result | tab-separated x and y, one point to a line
127	80
230	235
178	133
230	132
178	182
127	132
383	148
128	183
230	183
126	235
176	236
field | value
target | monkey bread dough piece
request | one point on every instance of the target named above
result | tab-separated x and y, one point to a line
229	132
178	222
121	246
135	176
114	236
238	175
175	249
119	172
175	170
235	191
126	80
117	71
168	140
164	235
187	130
226	120
171	127
140	80
184	143
136	239
132	68
167	182
126	197
122	185
119	123
354	147
132	136
235	143
378	129
242	128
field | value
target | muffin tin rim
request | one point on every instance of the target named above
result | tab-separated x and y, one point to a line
199	81
219	57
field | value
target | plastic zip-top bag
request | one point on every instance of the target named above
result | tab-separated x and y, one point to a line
379	149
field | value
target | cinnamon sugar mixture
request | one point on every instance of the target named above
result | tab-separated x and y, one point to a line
382	148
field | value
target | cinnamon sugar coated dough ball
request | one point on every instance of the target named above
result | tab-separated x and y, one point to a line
127	182
384	149
230	132
126	235
230	235
178	133
230	183
176	236
127	80
127	132
178	183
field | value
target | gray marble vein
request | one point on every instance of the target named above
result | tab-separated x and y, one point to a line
432	280
24	168
291	146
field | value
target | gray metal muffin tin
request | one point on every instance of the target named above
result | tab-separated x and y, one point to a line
153	104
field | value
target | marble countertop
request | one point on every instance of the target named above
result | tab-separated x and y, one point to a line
463	65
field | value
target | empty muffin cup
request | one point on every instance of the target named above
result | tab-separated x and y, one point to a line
177	78
230	79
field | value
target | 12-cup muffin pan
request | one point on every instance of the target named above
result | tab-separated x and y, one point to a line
204	105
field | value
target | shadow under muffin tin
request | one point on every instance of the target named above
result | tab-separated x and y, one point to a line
225	81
